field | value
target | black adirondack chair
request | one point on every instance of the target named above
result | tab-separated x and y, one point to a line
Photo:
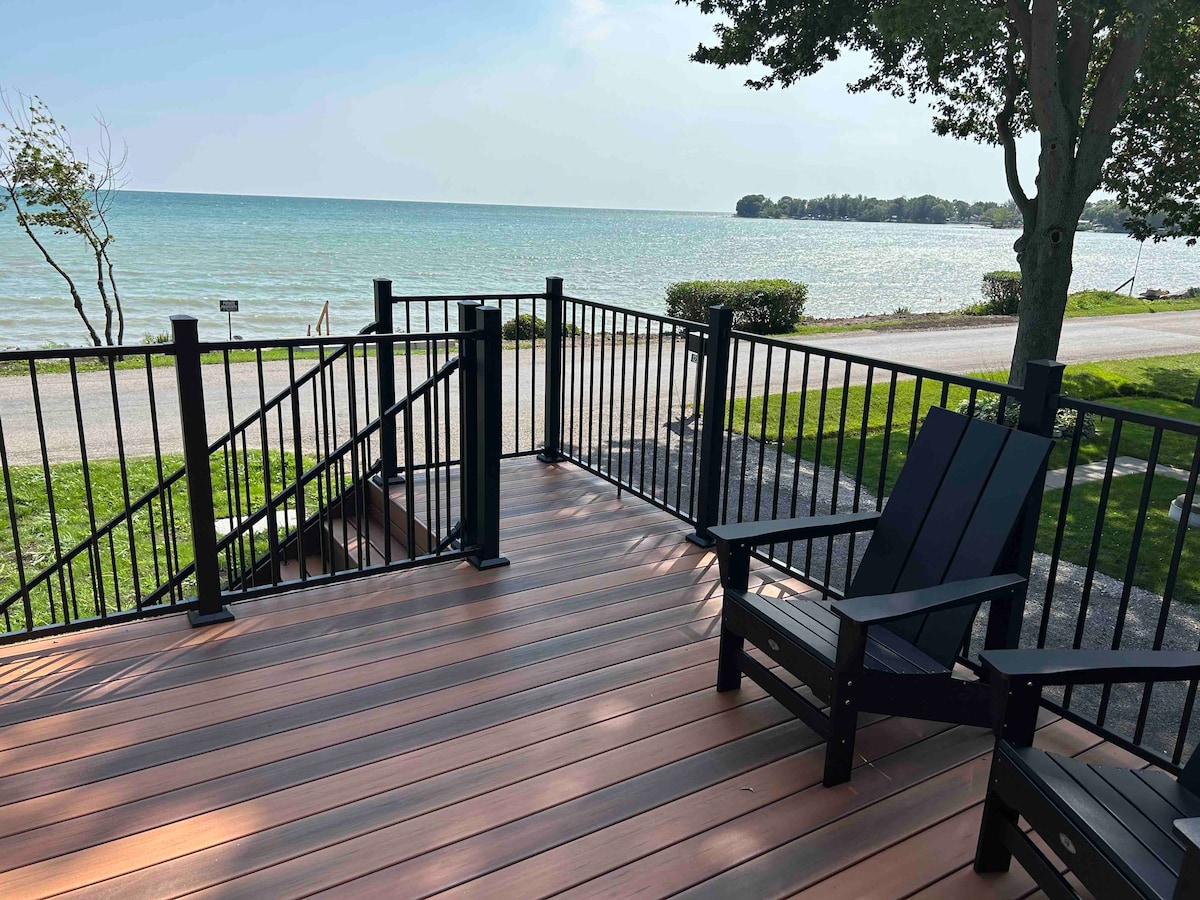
949	527
1123	832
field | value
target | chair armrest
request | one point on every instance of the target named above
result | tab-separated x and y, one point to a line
887	607
781	531
1065	667
1188	831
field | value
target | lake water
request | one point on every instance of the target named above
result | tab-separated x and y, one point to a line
282	258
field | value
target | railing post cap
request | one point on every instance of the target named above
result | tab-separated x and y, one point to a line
379	279
184	317
1047	363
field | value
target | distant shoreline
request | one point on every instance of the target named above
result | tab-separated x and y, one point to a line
1099	215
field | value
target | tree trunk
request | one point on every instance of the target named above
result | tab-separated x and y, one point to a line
1044	254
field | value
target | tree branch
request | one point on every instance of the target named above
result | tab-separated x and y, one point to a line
1018	15
1042	62
10	189
1112	88
1076	59
1004	124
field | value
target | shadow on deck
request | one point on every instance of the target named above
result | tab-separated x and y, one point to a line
549	727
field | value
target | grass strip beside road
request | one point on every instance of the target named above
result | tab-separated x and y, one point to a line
1162	386
109	574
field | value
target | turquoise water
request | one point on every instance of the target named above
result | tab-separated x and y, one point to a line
281	258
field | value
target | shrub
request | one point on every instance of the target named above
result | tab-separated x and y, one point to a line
523	328
762	306
1192	293
527	327
988	408
161	337
1001	293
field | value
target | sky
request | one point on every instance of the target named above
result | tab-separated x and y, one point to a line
588	103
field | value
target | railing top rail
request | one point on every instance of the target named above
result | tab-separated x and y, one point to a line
686	324
87	352
1153	420
314	342
969	381
442	298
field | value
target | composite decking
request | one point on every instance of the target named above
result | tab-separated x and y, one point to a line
544	729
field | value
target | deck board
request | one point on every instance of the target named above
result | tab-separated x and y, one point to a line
544	729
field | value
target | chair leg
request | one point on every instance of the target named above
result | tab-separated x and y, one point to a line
729	662
991	853
839	748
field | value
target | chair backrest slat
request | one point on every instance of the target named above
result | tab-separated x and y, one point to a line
954	525
986	538
949	516
952	508
899	525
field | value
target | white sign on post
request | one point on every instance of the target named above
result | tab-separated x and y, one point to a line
229	307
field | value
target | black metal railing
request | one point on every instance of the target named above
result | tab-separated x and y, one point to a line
761	428
627	399
1118	565
303	484
712	424
524	324
119	503
95	511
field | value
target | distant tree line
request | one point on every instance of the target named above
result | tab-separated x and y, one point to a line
926	209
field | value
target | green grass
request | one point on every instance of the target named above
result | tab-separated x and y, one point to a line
1161	386
1079	305
749	419
875	323
1169	377
1176	449
1108	303
1158	537
144	537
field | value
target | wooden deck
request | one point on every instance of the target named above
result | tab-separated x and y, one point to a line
548	728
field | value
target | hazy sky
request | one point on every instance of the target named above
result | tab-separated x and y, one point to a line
572	103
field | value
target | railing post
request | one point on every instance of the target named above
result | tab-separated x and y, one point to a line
1039	396
208	608
552	420
482	398
716	362
385	381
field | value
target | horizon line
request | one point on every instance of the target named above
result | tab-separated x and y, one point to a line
428	202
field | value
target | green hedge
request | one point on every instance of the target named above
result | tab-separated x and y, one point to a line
762	306
1001	293
526	327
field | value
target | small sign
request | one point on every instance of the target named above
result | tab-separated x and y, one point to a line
695	357
229	306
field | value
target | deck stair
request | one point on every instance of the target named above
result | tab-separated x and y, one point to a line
336	543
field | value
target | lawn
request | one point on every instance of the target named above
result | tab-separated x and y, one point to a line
1079	305
1158	537
1108	303
1161	386
110	573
